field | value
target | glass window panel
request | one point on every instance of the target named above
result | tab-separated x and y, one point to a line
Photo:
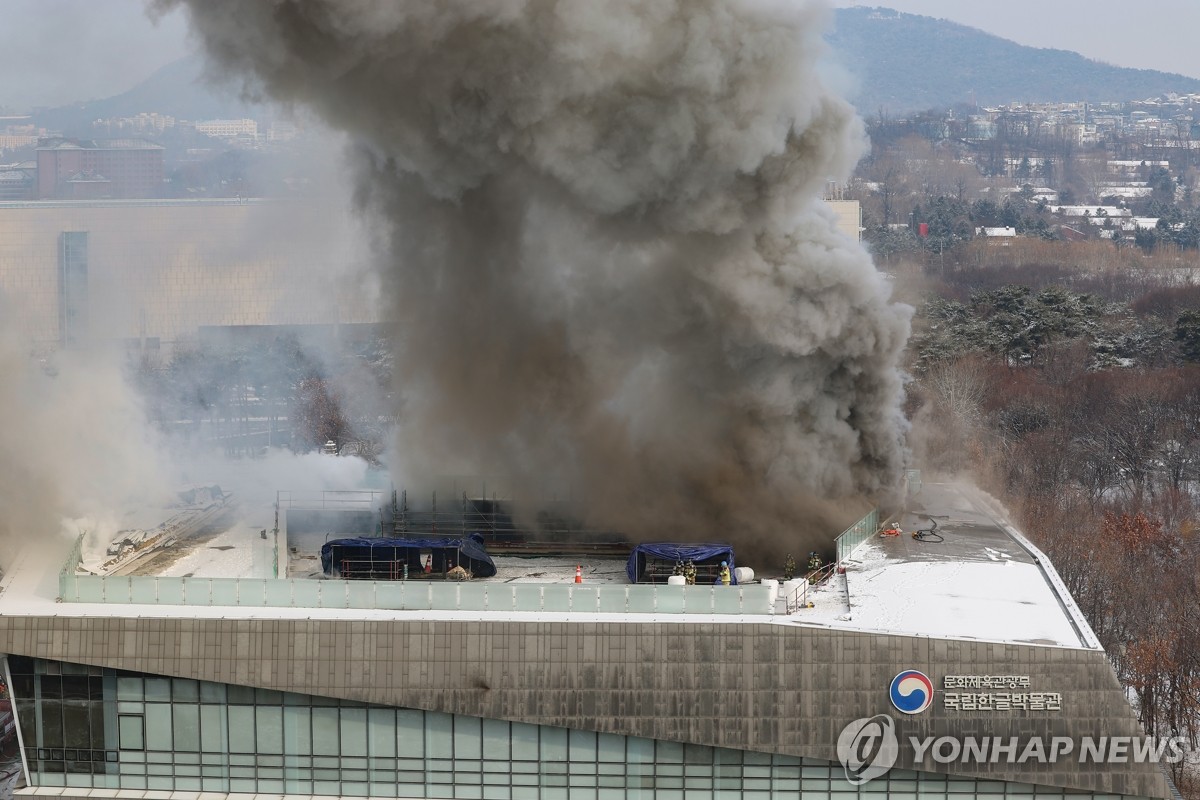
496	742
439	735
269	721
381	732
241	729
268	697
610	747
51	687
158	689
74	687
297	733
410	732
186	724
639	750
52	730
354	731
524	741
129	688
325	731
212	692
212	728
77	726
554	745
184	690
582	745
468	737
670	752
131	732
158	726
699	754
242	695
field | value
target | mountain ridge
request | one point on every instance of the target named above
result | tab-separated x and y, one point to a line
899	62
908	62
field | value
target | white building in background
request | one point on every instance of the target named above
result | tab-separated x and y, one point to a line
228	128
849	217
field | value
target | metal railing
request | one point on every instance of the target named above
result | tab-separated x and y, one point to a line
796	598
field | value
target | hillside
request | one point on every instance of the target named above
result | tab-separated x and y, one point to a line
907	62
178	89
900	63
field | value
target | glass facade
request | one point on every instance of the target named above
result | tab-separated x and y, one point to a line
94	727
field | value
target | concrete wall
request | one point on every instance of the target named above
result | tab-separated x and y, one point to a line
764	687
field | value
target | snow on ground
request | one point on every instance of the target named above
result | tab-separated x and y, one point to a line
996	600
236	553
977	582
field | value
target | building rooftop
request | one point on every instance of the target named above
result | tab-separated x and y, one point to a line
977	577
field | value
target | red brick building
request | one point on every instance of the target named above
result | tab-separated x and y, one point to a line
105	168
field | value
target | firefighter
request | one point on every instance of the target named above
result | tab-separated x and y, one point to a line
814	562
725	576
689	572
789	567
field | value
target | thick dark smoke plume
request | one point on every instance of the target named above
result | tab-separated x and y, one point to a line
602	239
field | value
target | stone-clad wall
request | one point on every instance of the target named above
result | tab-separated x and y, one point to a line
764	687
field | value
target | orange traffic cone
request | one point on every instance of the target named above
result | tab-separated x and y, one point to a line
579	574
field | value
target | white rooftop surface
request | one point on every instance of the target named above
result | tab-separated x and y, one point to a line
984	581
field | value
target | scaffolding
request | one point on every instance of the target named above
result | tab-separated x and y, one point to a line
458	511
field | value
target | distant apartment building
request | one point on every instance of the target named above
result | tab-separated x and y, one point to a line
18	181
16	132
282	131
145	123
228	128
83	169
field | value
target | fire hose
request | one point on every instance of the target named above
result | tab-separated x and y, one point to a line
929	534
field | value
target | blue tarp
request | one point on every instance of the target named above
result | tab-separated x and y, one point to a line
466	552
699	554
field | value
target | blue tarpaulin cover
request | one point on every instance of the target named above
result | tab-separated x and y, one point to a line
672	551
467	552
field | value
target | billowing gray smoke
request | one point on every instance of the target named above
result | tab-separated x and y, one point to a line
604	246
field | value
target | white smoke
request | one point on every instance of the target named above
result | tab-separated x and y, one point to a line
600	229
76	453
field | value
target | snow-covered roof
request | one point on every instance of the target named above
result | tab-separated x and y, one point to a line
1092	211
983	581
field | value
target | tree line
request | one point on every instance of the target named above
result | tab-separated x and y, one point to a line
1075	398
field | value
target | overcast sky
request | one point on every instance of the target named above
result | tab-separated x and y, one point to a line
58	51
55	52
